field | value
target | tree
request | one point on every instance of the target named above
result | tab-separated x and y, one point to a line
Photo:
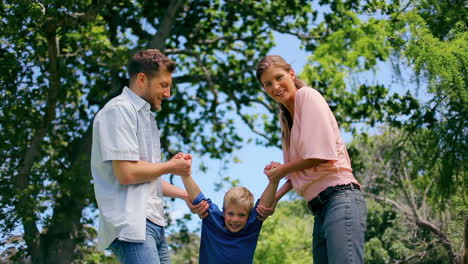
403	199
61	61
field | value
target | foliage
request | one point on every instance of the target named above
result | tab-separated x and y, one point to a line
403	199
286	237
184	251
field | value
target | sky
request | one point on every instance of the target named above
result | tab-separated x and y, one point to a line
253	158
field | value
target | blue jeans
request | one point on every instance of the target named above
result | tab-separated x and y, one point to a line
339	229
153	251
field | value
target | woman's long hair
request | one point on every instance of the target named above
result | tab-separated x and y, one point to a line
286	121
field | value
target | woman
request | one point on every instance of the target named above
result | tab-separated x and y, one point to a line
316	165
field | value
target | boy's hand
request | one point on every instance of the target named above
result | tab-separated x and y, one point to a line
201	209
264	212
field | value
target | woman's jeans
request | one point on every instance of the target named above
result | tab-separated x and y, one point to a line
339	229
153	251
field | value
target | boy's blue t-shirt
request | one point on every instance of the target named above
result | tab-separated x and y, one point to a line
218	245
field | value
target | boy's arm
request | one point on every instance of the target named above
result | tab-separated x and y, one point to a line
268	196
265	211
169	190
191	186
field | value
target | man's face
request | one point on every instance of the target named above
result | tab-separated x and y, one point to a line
157	88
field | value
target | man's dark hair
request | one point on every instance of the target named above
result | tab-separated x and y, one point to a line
149	62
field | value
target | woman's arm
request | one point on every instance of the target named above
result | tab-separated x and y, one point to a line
287	186
279	171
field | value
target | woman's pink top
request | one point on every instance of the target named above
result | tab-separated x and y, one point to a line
315	135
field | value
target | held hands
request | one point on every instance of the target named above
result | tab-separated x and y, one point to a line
201	209
264	212
274	171
181	164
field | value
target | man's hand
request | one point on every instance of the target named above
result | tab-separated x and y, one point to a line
201	209
181	164
264	212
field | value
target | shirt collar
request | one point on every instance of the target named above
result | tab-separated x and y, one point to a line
136	100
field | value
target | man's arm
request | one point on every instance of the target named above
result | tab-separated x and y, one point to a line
134	172
173	191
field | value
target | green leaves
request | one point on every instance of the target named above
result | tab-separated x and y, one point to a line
286	237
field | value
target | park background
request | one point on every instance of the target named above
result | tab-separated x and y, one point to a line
393	72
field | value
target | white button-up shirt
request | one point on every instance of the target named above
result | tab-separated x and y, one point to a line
125	129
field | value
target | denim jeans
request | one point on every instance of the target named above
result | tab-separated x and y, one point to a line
153	251
339	229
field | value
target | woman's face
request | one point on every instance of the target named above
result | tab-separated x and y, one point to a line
279	84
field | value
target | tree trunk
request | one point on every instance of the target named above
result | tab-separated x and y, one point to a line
57	244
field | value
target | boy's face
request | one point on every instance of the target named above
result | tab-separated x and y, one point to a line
235	217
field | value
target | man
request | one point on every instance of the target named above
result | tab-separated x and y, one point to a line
126	165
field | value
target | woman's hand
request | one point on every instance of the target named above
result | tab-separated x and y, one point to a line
274	171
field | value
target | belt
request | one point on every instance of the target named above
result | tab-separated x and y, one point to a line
321	199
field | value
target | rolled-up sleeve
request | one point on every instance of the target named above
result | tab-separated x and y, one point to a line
317	135
117	133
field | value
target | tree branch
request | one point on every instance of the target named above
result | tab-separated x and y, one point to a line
167	23
82	17
246	121
421	223
391	202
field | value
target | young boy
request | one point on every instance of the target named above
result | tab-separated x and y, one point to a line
230	236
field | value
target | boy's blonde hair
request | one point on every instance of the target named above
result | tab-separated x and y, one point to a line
239	196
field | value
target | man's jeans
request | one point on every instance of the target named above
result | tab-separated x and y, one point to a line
153	251
339	229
